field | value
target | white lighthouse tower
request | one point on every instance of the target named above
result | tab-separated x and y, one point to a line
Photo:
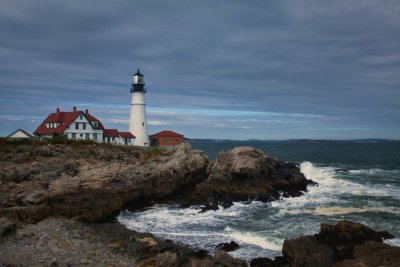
138	120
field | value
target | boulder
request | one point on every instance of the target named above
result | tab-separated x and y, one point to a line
344	236
344	244
245	173
305	251
225	259
373	253
228	246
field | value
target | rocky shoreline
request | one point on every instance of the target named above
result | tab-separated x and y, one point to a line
58	203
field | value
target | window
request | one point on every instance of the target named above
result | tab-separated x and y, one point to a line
81	117
142	123
87	137
95	137
84	126
81	135
73	136
76	125
113	138
95	123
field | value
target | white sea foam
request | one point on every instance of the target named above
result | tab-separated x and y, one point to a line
329	189
260	228
375	171
256	239
393	242
329	211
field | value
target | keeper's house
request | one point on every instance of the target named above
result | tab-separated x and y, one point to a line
79	125
166	138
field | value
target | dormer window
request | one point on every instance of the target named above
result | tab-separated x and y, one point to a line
95	124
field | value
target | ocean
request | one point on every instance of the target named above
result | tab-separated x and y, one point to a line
367	192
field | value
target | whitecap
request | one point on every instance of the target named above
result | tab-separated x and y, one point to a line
393	241
255	238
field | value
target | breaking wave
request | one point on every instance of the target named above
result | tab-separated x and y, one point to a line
260	228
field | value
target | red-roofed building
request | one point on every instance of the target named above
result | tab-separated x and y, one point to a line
75	125
112	136
126	138
166	138
79	125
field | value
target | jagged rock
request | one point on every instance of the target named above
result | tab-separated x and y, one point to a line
344	236
373	253
227	260
305	251
80	183
228	246
341	245
246	173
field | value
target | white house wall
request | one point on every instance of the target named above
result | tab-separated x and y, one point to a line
80	133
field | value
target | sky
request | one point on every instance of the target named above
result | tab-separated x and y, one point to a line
227	69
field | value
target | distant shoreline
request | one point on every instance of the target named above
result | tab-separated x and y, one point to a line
368	140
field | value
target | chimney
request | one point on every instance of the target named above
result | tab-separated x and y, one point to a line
86	111
58	110
74	109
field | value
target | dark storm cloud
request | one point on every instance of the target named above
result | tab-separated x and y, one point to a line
338	60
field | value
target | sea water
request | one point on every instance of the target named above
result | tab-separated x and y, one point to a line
367	192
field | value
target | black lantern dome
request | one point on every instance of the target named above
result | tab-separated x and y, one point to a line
137	82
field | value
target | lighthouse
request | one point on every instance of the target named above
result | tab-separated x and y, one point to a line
138	120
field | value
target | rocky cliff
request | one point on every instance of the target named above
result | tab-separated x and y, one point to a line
90	181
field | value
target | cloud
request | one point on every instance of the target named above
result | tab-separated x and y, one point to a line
316	61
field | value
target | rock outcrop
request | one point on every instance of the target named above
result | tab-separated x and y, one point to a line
342	245
90	181
245	173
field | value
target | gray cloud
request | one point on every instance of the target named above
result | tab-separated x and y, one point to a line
336	59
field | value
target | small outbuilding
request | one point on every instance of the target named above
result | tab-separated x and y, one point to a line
19	134
166	138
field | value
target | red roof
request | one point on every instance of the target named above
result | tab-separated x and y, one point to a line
126	135
92	119
65	119
166	134
110	133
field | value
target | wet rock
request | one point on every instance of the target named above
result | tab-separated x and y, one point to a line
305	251
373	253
228	246
227	260
343	244
344	236
245	173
